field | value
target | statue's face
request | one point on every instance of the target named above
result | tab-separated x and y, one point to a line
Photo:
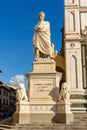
19	87
63	87
41	17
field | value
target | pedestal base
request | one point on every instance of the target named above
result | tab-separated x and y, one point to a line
41	117
43	90
21	118
22	114
66	118
44	65
64	114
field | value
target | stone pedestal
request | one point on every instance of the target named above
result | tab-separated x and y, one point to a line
43	90
22	114
64	114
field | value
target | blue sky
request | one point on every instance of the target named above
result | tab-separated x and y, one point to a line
17	21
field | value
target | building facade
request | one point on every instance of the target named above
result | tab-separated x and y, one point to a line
75	43
7	100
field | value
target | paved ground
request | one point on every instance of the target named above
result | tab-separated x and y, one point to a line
80	123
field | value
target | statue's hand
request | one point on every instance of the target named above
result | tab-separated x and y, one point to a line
37	28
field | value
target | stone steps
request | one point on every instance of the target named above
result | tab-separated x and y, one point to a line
80	123
79	102
74	126
7	120
39	127
5	126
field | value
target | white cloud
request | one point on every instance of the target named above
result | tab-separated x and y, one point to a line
17	79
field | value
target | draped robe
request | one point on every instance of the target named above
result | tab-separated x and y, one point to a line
42	38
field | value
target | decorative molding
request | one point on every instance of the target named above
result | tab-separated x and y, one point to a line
72	45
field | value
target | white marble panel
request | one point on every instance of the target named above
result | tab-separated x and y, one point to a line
83	17
83	3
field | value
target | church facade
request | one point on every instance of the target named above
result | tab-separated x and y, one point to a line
75	43
75	50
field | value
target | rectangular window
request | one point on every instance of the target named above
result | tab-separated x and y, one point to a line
0	91
84	66
3	101
0	102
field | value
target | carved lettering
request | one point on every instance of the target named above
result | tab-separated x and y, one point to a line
42	87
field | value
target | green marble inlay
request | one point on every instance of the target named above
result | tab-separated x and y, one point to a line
78	96
82	105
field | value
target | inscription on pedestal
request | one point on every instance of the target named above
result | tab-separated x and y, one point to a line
42	87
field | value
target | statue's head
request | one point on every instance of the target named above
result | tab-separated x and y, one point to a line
21	86
65	86
41	16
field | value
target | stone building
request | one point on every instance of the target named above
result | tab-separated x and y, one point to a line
74	51
7	100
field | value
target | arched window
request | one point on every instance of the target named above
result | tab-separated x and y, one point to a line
71	22
73	70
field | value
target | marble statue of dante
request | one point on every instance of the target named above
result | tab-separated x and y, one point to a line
21	93
41	40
